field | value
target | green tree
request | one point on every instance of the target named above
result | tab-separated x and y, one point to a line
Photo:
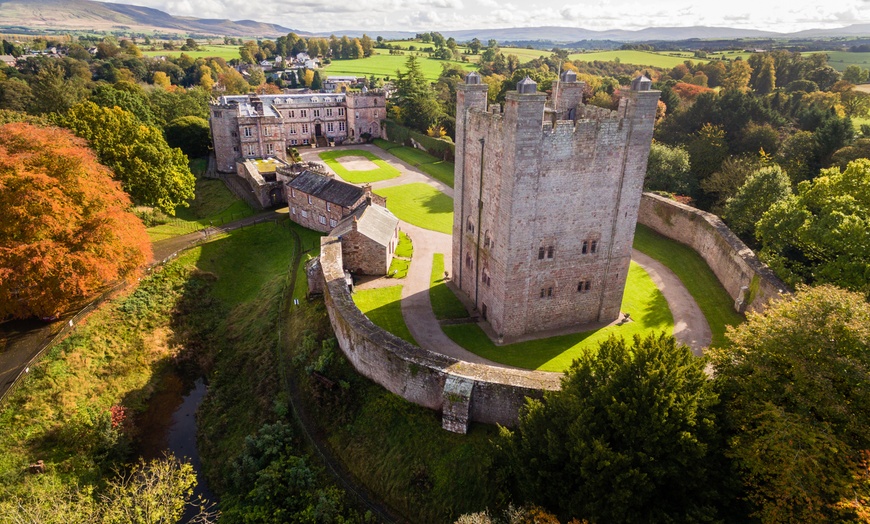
822	234
15	95
795	381
630	437
52	92
150	171
316	82
257	77
415	97
855	74
191	134
135	102
761	190
668	169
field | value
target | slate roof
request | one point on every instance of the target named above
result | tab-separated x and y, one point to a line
375	222
328	189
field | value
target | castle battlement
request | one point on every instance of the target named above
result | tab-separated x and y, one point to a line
546	201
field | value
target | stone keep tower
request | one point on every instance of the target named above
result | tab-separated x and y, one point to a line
546	202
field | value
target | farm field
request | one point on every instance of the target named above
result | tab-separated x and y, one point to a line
227	52
385	66
840	60
641	58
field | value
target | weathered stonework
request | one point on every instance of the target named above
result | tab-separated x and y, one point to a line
492	395
547	195
749	282
259	126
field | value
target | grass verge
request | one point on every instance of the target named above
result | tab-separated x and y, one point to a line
383	306
696	275
642	299
384	170
405	247
386	145
398	268
420	204
445	305
438	169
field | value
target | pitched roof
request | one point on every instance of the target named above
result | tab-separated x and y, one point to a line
375	222
328	189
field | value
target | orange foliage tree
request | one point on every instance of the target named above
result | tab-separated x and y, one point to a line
66	230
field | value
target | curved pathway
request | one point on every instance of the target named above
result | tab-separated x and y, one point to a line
690	325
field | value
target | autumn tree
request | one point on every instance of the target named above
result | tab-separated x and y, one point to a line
795	381
153	173
65	227
630	437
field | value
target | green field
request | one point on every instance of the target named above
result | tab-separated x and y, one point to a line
438	169
384	170
383	306
641	58
840	60
227	52
716	304
642	300
385	66
420	204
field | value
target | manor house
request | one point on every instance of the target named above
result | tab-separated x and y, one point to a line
262	126
547	195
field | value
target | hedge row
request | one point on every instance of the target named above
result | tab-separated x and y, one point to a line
437	147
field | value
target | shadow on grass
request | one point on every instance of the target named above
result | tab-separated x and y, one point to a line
383	306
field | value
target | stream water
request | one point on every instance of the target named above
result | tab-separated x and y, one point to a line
169	424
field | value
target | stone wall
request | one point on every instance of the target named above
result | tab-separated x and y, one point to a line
462	391
749	282
365	256
267	193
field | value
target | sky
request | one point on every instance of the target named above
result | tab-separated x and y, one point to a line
445	15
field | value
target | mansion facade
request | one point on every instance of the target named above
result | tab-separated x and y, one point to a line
263	126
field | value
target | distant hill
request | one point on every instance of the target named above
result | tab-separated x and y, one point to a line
86	15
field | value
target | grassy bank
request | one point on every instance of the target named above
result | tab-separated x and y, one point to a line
444	303
398	450
696	275
438	169
420	204
383	306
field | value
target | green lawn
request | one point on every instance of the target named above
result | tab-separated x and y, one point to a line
213	204
384	170
405	247
227	52
385	66
444	302
642	299
421	205
438	169
398	268
716	304
412	155
383	306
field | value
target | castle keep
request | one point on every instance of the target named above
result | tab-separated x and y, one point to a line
547	195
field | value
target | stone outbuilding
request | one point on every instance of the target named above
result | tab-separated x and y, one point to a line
319	202
369	237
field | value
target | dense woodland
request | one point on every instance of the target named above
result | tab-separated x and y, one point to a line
640	432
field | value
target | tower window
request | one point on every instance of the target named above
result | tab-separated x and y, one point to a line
550	251
593	246
583	286
541	254
546	292
585	248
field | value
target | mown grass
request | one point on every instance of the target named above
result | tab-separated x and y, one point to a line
383	306
398	450
716	304
227	52
384	170
642	300
213	204
398	268
405	247
438	169
445	305
386	66
421	205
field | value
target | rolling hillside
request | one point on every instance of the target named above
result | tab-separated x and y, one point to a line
85	15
